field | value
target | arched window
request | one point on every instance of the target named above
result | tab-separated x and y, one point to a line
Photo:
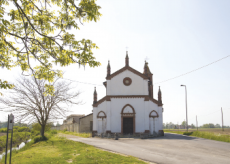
153	114
127	110
101	114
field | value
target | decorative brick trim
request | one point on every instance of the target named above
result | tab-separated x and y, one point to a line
160	104
152	112
129	81
108	131
146	98
126	68
161	132
101	116
146	131
99	102
108	98
154	101
105	84
125	115
122	111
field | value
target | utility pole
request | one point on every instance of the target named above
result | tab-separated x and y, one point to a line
186	105
196	123
222	120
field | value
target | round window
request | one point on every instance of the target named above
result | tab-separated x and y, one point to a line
127	81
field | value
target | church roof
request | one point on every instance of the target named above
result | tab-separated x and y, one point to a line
124	69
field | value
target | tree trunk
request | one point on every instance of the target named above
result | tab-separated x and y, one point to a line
42	130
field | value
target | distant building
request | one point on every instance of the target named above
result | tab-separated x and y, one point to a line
73	118
86	123
79	123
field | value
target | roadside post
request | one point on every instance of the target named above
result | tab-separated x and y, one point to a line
222	119
196	123
10	125
186	105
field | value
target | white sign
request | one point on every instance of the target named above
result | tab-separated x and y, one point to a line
11	122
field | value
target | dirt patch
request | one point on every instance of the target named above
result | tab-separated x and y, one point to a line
69	160
2	134
75	154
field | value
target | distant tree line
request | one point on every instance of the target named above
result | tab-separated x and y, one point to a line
4	124
171	125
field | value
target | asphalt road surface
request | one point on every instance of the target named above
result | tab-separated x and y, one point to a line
172	148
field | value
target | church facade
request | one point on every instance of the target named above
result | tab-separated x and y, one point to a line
129	106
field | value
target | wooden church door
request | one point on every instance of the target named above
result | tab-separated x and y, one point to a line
128	125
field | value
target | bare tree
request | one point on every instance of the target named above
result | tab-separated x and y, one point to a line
29	102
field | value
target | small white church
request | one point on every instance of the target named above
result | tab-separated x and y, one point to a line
129	106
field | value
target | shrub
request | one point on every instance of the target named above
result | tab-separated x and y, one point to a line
37	127
40	138
35	133
187	133
53	132
4	130
23	129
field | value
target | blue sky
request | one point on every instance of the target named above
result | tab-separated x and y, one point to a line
176	36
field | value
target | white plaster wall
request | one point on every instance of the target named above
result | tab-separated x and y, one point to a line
139	86
95	119
116	106
99	125
113	109
96	110
158	121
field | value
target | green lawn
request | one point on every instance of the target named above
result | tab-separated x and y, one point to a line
60	150
213	135
84	135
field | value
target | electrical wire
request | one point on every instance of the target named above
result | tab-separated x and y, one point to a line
167	79
212	112
209	113
83	82
193	70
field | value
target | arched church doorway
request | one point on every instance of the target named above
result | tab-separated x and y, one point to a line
127	120
152	121
101	117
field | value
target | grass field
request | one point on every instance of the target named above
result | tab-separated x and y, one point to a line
213	130
207	133
84	135
60	150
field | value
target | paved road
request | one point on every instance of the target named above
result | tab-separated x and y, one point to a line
172	148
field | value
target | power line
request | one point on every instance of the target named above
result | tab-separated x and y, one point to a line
212	112
193	70
83	82
164	80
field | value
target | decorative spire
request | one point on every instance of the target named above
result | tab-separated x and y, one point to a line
146	69
127	59
108	69
159	96
95	96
